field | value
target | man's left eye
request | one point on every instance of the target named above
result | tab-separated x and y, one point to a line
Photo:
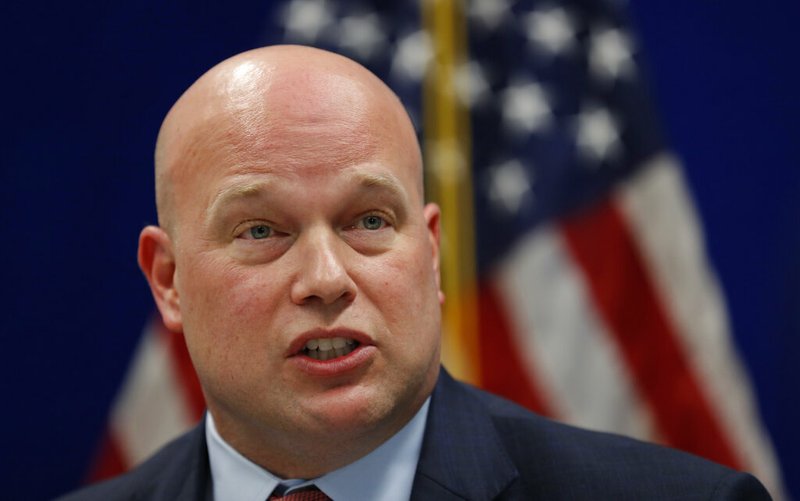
372	222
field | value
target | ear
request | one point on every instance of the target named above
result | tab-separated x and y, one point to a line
432	215
157	261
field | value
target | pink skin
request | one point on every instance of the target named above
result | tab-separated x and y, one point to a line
308	150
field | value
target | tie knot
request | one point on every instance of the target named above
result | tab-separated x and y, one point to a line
310	493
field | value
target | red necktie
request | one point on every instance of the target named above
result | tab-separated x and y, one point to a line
310	493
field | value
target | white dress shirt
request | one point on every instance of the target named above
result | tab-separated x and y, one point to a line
385	474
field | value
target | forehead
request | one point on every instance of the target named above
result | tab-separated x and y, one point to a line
298	143
249	110
298	126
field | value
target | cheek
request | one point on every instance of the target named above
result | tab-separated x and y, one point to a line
410	308
404	288
211	285
228	328
226	308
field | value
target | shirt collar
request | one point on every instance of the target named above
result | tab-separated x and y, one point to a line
385	473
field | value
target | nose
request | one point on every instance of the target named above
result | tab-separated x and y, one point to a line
323	275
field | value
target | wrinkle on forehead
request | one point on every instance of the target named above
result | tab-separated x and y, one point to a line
245	188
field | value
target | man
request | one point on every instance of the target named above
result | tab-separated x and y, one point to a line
297	256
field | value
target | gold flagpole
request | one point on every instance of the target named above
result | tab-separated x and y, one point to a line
447	139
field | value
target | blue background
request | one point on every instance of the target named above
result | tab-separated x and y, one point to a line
86	84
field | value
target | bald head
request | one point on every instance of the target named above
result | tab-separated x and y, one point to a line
275	99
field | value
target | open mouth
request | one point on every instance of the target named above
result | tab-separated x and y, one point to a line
328	348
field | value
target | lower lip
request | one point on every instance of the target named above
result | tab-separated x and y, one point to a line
338	366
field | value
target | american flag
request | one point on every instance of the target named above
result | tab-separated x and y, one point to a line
573	260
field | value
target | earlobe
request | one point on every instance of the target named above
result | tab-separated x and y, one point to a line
432	215
157	262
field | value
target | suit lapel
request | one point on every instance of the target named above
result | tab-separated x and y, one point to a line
462	454
187	477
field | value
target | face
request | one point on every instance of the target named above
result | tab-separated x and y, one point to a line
297	232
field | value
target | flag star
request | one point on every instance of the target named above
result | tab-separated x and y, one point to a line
362	34
597	135
525	108
489	14
305	20
509	186
551	30
611	55
470	84
413	54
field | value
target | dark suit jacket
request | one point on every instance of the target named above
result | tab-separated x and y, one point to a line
479	447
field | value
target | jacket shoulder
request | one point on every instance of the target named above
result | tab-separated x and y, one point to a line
558	461
179	470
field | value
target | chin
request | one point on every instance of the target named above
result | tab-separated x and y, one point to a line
353	409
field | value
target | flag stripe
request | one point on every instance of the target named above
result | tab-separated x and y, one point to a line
564	345
109	461
661	215
151	409
503	370
600	242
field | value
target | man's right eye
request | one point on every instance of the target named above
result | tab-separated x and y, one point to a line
259	231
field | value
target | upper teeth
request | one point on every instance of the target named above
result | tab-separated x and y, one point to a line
329	347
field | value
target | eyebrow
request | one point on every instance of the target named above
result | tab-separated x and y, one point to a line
233	193
383	182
